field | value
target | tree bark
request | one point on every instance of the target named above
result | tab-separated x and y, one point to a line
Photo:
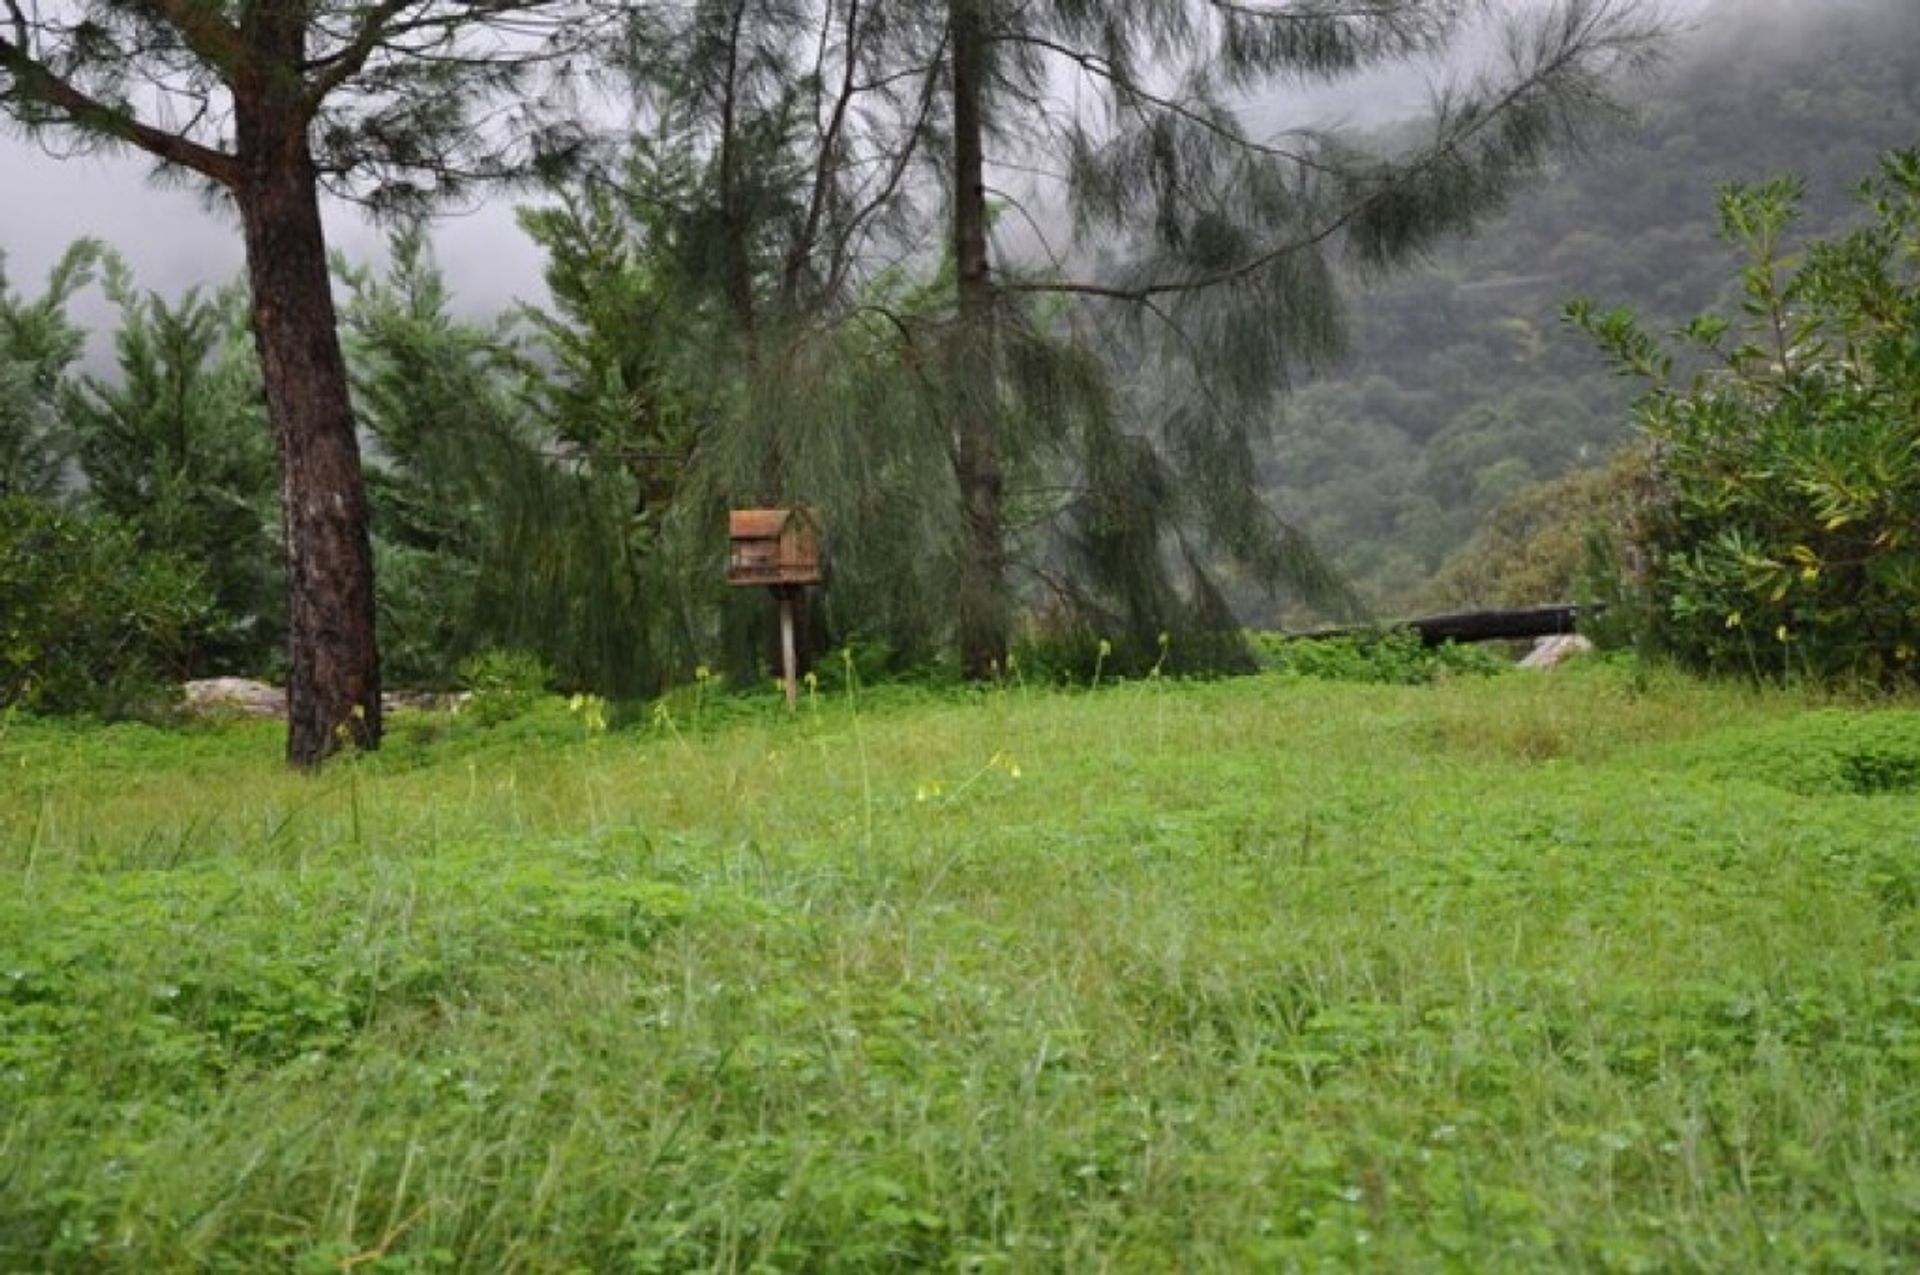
333	674
984	613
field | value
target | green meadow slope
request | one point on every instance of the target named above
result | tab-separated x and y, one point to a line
1523	973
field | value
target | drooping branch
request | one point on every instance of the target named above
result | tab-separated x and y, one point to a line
1128	87
1381	189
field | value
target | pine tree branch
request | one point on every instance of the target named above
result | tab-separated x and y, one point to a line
380	28
823	171
1448	148
1358	13
375	29
1198	283
1097	65
33	82
896	174
733	216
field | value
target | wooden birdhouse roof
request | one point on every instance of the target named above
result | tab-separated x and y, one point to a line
762	524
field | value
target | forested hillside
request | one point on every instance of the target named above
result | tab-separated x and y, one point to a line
1465	388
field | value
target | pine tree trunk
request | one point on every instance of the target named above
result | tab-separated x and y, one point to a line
333	675
984	616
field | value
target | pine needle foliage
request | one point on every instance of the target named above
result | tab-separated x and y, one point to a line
1239	244
496	536
39	347
410	104
175	446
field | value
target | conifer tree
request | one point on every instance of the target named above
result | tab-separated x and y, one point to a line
173	446
39	346
1230	234
485	507
1107	386
269	102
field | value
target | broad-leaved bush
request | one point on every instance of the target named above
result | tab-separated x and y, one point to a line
1780	536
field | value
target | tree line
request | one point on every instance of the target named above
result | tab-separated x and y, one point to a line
795	279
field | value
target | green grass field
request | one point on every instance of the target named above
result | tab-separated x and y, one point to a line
1574	972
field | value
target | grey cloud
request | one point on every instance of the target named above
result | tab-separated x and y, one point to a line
173	240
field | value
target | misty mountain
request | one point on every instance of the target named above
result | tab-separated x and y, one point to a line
1464	387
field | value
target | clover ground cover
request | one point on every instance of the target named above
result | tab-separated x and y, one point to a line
1511	973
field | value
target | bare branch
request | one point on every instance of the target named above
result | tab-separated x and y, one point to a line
829	147
897	171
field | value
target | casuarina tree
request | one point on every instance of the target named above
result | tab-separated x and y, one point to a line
270	103
1128	250
1229	221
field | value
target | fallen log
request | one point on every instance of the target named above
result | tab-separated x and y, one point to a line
1473	626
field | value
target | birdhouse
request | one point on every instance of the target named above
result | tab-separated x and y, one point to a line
773	547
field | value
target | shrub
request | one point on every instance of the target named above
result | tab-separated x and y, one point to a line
503	684
870	661
1781	536
89	623
1394	657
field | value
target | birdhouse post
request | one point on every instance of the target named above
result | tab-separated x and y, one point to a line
777	549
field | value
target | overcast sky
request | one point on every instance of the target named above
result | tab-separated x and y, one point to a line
173	240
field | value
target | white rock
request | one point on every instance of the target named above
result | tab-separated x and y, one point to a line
1552	652
235	695
247	698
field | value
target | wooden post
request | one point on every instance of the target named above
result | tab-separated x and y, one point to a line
789	659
